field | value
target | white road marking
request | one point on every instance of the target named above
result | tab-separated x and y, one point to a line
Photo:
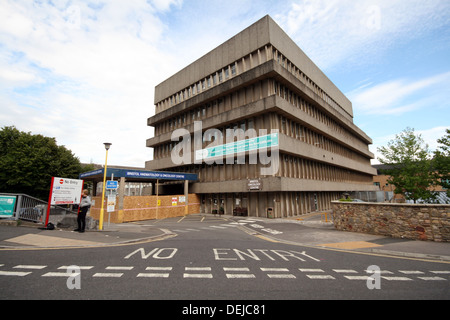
397	278
14	273
22	266
275	269
433	278
108	275
235	269
81	267
281	276
119	268
311	270
357	277
159	268
198	275
153	275
410	271
320	277
61	274
240	276
344	271
197	268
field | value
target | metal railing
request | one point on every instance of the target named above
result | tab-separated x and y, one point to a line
32	209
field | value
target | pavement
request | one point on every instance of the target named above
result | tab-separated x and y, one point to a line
310	231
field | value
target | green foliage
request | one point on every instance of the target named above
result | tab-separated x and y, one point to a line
27	162
410	166
442	162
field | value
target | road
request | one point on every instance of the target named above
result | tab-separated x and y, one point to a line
212	258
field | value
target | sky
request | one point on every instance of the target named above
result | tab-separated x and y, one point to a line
84	72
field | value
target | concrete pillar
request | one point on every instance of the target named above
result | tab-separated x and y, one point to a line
120	215
186	197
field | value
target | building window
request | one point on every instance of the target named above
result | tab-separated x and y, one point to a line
233	70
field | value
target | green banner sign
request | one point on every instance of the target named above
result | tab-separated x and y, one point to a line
7	204
256	143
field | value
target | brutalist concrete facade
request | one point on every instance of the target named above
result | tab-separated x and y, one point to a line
261	81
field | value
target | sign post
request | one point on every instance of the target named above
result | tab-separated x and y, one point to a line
64	191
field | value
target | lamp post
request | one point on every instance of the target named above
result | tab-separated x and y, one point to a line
100	223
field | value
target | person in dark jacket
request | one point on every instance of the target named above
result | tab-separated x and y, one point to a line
84	207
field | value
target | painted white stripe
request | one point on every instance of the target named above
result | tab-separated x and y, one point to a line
235	269
275	269
198	275
14	273
159	268
218	227
240	275
357	277
320	277
108	275
197	268
281	276
440	272
153	275
61	274
311	270
22	266
397	278
344	271
433	278
81	267
378	272
119	268
410	271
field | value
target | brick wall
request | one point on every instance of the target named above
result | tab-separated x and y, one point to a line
398	220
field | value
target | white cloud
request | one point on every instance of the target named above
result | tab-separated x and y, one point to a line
344	32
86	73
399	96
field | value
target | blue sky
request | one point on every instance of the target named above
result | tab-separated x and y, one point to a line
84	72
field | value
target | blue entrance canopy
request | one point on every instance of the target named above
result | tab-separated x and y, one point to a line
138	175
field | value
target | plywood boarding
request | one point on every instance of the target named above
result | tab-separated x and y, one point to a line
137	208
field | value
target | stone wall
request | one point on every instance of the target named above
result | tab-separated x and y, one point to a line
398	220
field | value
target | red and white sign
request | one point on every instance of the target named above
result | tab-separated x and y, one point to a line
66	191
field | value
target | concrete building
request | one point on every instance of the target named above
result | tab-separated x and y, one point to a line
259	82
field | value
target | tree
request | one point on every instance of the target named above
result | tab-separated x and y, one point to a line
27	163
410	166
442	162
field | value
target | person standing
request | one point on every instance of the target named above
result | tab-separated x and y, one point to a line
84	207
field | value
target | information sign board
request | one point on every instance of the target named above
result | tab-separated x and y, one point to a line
7	204
110	185
66	191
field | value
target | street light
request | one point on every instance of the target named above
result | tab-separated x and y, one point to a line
100	223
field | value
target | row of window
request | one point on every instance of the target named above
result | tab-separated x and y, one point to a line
297	101
296	130
233	69
293	69
290	167
196	88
